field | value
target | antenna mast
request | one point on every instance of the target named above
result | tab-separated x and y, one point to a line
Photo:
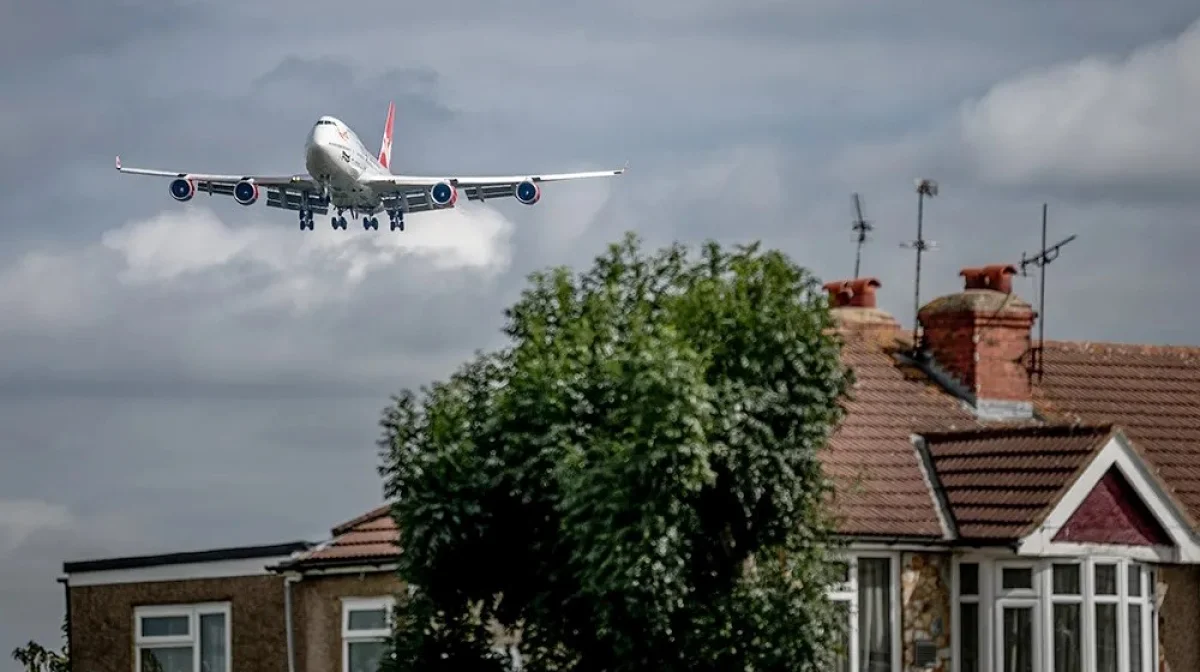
861	228
1044	257
925	188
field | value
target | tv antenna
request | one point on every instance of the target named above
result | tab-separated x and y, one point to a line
861	228
1044	257
925	188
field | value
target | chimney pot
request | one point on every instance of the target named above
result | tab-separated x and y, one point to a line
857	293
996	276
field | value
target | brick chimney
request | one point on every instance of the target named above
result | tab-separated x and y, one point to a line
979	341
853	306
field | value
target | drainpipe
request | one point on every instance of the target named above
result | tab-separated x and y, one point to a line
288	580
67	596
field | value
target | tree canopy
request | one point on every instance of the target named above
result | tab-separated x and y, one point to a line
632	483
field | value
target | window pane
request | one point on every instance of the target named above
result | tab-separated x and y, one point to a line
1018	639
365	656
1068	638
842	608
1135	638
1106	579
368	619
1135	581
1066	579
164	626
968	618
968	579
167	659
1017	578
874	615
212	643
1106	638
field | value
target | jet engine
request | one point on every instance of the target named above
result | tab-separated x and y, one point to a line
527	192
245	192
443	194
182	190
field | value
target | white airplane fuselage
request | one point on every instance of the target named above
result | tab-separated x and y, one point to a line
338	160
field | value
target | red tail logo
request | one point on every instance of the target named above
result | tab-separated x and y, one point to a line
385	147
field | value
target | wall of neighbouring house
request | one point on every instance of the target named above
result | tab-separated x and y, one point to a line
1179	618
317	614
101	636
925	606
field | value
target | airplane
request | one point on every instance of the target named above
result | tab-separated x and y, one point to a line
344	175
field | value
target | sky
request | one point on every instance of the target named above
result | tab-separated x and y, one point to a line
188	376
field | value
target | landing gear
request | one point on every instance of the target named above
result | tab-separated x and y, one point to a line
306	220
397	217
338	222
370	223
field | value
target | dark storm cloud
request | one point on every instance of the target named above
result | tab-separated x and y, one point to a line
132	322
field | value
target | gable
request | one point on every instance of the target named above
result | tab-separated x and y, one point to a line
1113	513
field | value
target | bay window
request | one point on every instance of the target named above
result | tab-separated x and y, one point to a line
366	625
182	638
867	598
1059	615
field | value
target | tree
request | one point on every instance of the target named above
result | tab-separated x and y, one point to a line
632	483
36	658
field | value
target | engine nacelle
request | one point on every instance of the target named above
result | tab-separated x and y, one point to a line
182	190
527	192
245	192
443	194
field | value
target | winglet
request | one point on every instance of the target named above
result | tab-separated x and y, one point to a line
118	162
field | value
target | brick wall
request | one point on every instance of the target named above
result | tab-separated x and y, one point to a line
1179	619
102	620
925	607
317	614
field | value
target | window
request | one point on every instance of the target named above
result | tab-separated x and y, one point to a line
1060	615
366	625
867	600
182	638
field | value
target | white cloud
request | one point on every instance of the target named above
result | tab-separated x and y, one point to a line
21	518
264	264
1098	120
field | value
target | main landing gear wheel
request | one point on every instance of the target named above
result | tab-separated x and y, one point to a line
338	222
370	223
397	217
306	220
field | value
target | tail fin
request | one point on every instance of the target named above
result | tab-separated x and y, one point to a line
385	147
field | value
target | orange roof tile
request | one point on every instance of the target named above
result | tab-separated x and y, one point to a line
1152	392
880	487
1001	481
369	537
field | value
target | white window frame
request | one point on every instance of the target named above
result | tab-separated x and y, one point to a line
992	599
193	612
349	604
848	592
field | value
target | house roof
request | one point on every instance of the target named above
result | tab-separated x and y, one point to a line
879	485
1152	392
1000	481
995	479
186	557
368	539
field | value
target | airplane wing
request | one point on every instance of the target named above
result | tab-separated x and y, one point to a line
283	191
416	190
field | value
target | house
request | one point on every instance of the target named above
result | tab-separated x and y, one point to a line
1007	507
291	607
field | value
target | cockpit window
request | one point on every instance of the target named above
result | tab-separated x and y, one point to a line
325	122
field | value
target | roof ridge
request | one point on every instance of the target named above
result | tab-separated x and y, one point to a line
377	512
1025	429
1146	348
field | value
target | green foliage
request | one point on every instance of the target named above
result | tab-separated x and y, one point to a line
36	658
633	483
